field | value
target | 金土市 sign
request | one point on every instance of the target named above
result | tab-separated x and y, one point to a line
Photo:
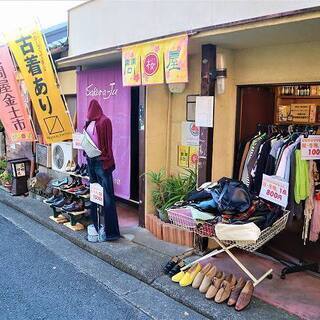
13	112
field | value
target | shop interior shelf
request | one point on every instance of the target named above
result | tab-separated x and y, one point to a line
299	97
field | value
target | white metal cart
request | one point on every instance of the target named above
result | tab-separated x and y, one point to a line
205	229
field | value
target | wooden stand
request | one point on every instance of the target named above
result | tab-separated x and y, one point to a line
77	227
75	217
60	219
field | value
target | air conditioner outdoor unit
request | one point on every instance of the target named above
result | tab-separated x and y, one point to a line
62	152
43	155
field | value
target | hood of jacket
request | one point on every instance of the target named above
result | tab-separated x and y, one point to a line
94	111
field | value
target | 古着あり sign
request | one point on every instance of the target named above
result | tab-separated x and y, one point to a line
31	55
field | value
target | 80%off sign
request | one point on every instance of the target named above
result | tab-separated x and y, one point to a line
275	190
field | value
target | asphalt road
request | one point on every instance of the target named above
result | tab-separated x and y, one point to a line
43	276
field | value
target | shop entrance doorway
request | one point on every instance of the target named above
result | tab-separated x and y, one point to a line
257	106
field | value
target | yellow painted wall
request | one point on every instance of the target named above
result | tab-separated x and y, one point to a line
155	133
224	122
158	100
68	81
298	62
179	109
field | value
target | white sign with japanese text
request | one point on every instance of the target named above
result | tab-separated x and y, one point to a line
76	140
310	148
189	134
96	193
204	111
275	190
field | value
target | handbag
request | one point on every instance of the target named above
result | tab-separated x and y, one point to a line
89	146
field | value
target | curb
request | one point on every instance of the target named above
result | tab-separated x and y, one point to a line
188	297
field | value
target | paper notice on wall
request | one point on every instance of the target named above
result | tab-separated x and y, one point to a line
204	111
183	156
189	134
193	156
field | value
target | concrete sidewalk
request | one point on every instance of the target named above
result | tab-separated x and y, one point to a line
143	257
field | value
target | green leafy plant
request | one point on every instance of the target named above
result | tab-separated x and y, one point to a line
5	177
3	165
170	189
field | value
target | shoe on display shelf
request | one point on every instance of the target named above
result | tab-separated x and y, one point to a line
60	182
80	169
82	192
52	199
68	166
73	166
87	204
76	188
76	168
74	207
60	203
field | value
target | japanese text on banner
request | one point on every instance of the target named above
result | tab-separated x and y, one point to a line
152	63
274	189
176	59
310	148
131	66
31	55
13	112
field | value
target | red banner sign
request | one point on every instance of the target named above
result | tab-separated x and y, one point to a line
13	113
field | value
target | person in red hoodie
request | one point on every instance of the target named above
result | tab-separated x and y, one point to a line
100	168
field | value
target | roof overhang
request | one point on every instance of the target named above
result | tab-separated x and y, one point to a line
272	30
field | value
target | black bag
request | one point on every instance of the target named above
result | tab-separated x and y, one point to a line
232	195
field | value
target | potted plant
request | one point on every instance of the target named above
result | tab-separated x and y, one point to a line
3	165
170	189
6	179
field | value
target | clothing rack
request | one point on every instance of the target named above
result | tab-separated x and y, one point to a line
303	265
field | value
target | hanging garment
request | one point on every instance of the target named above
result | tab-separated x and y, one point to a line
283	170
260	167
243	158
251	159
309	205
296	209
315	222
271	160
302	186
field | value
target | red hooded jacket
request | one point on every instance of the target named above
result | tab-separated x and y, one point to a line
104	131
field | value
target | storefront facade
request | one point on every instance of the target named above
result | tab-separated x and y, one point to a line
257	51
